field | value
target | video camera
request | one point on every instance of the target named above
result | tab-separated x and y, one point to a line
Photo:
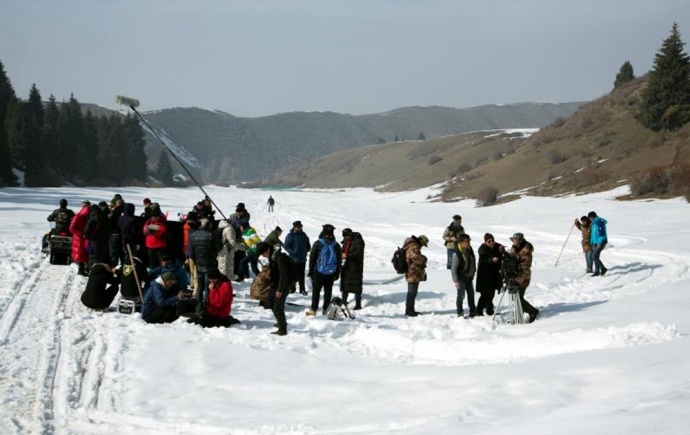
510	268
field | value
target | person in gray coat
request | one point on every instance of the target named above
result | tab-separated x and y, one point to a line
463	268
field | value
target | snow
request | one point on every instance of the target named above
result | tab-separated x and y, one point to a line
607	355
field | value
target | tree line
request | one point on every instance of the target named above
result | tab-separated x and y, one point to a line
53	143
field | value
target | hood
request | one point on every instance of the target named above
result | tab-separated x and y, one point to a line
128	209
223	224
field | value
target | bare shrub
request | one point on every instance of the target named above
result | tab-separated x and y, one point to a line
655	142
487	196
433	160
556	157
498	155
558	122
480	161
655	180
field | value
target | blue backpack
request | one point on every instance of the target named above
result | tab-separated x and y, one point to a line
327	263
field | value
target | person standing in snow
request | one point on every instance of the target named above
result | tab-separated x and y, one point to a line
282	272
598	239
271	202
488	273
297	246
80	254
451	236
324	268
416	273
230	245
585	227
352	273
522	249
463	268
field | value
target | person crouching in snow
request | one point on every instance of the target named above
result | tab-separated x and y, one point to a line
160	300
217	310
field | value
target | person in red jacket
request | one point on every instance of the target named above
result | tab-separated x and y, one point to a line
156	232
79	242
217	310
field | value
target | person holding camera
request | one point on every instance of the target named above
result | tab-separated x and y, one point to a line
160	300
463	268
522	249
488	274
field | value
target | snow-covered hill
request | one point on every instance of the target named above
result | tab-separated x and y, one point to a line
607	355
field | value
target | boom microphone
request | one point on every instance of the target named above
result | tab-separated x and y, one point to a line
133	103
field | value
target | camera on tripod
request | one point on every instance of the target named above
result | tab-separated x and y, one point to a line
510	268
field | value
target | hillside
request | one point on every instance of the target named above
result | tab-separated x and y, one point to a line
599	147
240	149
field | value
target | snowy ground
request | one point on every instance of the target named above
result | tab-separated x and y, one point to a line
608	354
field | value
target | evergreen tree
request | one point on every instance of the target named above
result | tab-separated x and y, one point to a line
164	172
396	139
625	74
69	138
49	132
90	146
421	136
380	140
135	154
16	138
666	100
35	157
7	95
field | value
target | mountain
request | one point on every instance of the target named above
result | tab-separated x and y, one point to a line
600	146
232	149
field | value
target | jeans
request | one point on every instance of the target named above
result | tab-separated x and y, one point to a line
249	259
466	285
412	289
277	305
319	281
450	258
202	286
598	265
589	258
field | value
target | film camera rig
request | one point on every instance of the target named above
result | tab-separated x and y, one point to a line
510	269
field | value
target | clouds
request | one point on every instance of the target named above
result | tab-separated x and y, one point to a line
259	58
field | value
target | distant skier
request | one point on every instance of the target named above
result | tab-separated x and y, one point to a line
271	202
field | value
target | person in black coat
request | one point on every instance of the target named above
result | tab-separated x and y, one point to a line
101	288
62	217
129	230
319	278
203	250
97	231
283	276
463	269
117	255
488	274
352	272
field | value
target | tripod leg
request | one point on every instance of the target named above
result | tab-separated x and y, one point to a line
498	306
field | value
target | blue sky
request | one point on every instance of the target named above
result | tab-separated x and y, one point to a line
255	58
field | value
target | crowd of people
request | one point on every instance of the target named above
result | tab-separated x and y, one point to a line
109	239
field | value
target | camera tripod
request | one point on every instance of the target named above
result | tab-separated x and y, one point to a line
515	313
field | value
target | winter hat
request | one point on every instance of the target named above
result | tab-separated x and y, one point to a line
347	232
278	229
103	204
328	228
147	201
297	224
168	276
488	236
86	202
424	240
240	205
191	216
518	236
63	202
457	217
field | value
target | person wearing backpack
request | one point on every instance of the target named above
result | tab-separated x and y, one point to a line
324	267
62	217
352	273
598	239
416	265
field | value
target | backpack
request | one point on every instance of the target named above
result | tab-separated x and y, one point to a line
327	263
62	218
399	261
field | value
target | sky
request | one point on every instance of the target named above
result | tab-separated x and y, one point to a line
257	58
607	354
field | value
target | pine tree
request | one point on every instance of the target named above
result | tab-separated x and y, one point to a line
380	140
7	95
421	136
16	133
397	139
164	172
666	100
70	156
90	146
135	154
625	74
35	158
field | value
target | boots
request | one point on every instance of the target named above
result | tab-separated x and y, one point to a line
81	269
